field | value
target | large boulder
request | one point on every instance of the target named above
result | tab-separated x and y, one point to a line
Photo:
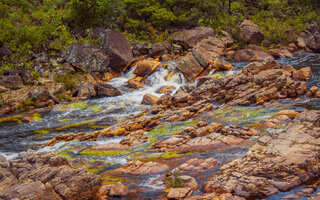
106	90
251	55
46	176
25	75
250	32
90	89
303	74
189	66
12	81
115	45
159	48
87	57
146	67
189	38
149	99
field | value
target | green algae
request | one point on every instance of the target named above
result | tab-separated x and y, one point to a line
98	126
95	108
86	122
192	123
64	120
111	153
65	153
15	118
37	117
42	131
166	155
79	105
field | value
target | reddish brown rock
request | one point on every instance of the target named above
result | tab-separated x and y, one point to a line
12	82
149	99
118	190
135	83
303	74
146	67
250	32
139	168
166	90
198	164
189	38
179	193
289	113
188	182
251	55
279	53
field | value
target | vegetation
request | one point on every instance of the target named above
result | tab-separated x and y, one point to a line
29	27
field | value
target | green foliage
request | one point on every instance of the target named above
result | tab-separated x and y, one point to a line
89	13
69	80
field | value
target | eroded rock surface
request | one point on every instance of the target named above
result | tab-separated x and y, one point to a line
45	176
277	163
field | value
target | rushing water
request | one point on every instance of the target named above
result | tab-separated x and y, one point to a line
95	114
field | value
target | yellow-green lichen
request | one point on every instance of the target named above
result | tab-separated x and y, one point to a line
42	131
111	153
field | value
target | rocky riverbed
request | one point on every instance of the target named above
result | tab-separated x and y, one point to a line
197	126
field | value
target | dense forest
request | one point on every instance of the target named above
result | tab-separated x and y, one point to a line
32	26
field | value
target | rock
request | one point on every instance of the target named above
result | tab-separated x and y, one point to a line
303	74
3	89
311	116
208	50
226	38
85	90
135	138
149	99
215	196
290	113
188	182
189	66
140	48
135	83
46	176
251	55
146	67
106	90
25	75
119	190
279	53
189	38
4	163
116	48
159	48
243	132
312	92
291	152
250	32
90	58
166	90
310	38
140	168
198	164
12	82
179	193
221	65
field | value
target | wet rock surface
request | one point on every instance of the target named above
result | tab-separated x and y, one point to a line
33	175
277	163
